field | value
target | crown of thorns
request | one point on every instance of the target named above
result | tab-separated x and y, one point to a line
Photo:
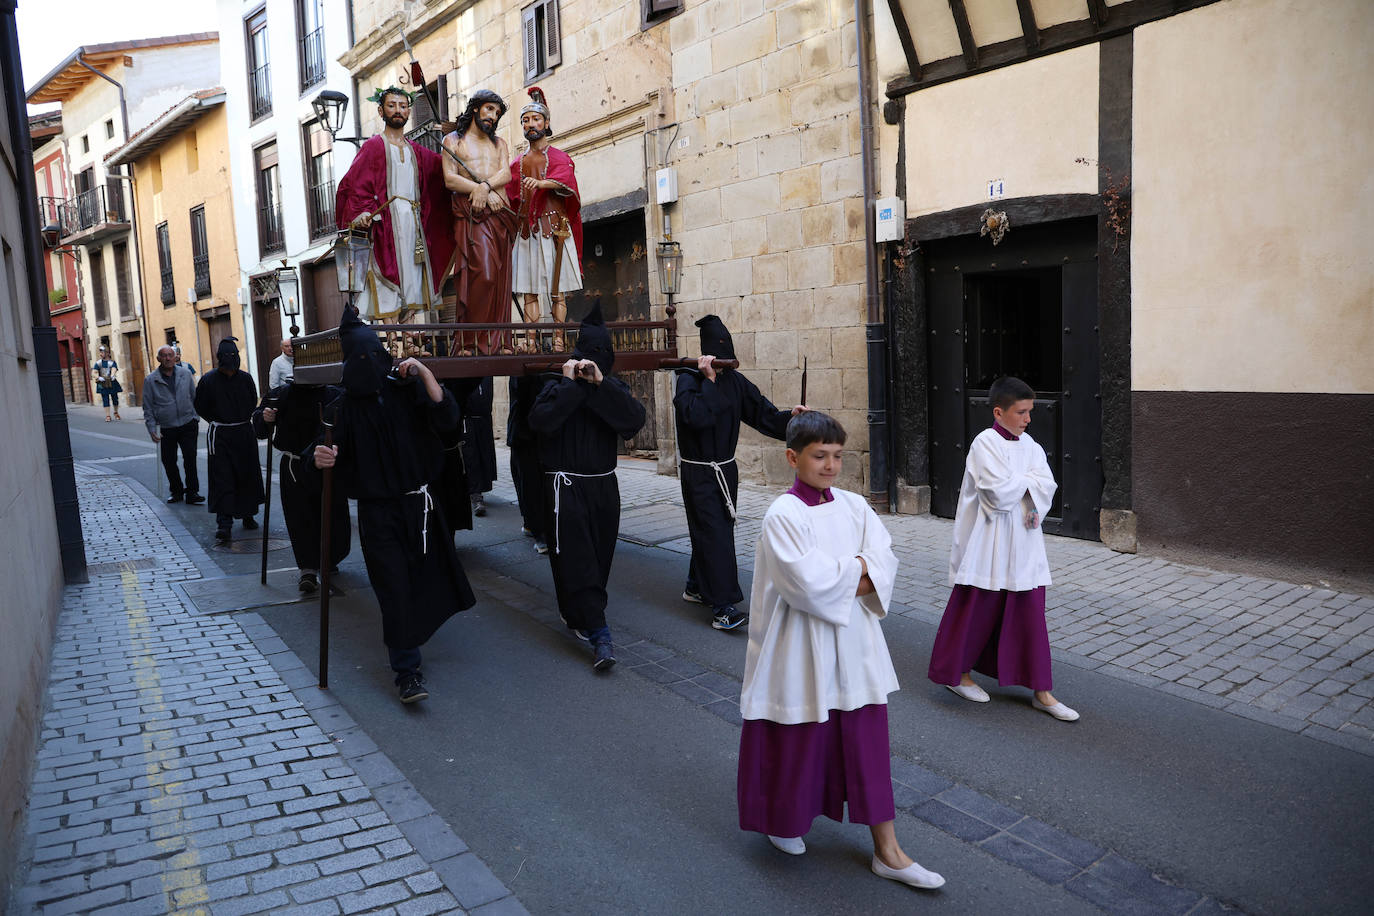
379	94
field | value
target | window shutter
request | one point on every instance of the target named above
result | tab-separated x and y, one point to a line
531	42
553	35
441	96
420	112
664	6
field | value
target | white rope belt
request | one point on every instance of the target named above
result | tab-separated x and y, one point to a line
210	436
424	523
560	480
718	466
291	465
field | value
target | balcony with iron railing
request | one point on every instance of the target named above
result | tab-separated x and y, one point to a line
50	211
312	58
260	92
320	204
429	135
169	295
200	261
271	237
93	216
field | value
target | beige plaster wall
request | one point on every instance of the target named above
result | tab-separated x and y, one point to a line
1251	265
1025	124
209	184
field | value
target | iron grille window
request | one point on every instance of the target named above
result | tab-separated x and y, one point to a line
99	298
259	74
319	179
200	252
271	239
426	123
543	38
164	264
122	286
310	41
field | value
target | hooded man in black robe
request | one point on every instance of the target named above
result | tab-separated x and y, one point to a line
225	399
292	415
479	443
709	406
525	473
578	419
387	451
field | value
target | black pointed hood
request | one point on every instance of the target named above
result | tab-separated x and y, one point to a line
594	340
715	337
227	354
365	361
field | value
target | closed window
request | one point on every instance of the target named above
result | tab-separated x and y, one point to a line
164	264
310	41
259	76
653	12
200	252
319	179
270	235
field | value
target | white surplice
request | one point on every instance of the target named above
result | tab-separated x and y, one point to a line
813	645
993	549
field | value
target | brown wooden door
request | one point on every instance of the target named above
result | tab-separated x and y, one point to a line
267	333
138	367
615	269
324	304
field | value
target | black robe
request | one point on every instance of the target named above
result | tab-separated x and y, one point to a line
708	417
226	403
525	472
451	487
390	448
479	438
294	434
578	425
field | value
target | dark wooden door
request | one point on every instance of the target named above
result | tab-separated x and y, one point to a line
267	334
138	368
324	304
615	269
1027	308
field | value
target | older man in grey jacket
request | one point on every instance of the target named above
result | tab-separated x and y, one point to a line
169	413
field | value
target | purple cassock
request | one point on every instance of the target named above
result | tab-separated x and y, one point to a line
791	774
1000	634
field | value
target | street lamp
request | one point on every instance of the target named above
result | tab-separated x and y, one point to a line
330	106
288	294
352	255
51	234
669	271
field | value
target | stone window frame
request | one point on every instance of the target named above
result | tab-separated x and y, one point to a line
652	12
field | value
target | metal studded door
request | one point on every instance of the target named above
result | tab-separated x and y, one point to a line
1027	308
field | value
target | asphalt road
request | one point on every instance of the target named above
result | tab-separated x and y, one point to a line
609	794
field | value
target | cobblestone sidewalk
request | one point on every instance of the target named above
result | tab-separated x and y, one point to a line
177	772
1293	656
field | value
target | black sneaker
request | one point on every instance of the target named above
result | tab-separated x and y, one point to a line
692	595
308	583
479	506
412	689
727	618
174	499
250	523
604	657
222	534
194	499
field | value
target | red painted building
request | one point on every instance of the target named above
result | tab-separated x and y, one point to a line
61	265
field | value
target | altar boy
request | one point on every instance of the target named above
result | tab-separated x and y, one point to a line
994	622
817	672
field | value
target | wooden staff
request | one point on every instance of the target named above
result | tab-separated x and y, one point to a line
267	504
326	552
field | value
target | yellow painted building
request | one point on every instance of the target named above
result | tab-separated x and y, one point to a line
186	227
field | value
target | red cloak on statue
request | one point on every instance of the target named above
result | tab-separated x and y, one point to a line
363	190
560	170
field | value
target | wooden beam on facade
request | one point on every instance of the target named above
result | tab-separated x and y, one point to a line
1097	11
913	63
960	14
1028	29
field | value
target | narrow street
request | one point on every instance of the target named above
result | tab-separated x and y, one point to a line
615	794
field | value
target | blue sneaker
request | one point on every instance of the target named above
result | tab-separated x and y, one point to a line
727	618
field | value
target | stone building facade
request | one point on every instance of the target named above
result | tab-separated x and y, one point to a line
753	104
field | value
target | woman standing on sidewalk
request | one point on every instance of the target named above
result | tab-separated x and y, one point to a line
106	383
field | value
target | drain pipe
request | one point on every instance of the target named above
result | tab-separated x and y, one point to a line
56	432
879	447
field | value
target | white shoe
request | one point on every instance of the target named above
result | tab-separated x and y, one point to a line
970	692
792	845
913	875
1058	710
